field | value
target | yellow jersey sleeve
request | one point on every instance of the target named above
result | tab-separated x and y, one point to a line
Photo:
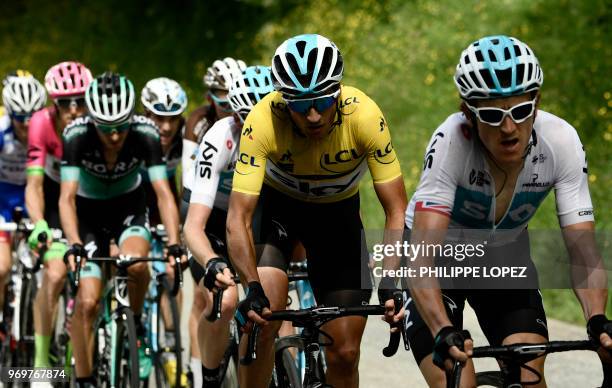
373	133
255	139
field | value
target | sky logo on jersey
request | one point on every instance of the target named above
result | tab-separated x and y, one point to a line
430	206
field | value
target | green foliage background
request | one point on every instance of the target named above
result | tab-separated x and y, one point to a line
402	53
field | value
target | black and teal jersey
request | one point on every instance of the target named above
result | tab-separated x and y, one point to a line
83	159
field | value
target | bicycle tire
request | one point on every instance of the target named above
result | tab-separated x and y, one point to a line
26	322
286	374
61	345
229	363
176	349
490	379
6	354
126	360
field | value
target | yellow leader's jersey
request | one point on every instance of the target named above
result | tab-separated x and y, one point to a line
272	149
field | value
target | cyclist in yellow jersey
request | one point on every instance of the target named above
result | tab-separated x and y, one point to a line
303	150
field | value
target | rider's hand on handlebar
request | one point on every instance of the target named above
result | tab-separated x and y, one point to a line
599	328
218	275
76	249
40	227
252	308
390	316
450	345
175	251
386	291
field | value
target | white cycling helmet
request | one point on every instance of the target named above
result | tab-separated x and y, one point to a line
22	93
248	89
307	66
110	98
497	66
219	76
164	97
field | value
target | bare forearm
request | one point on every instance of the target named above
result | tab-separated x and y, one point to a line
393	234
35	202
198	242
170	218
593	301
241	249
589	276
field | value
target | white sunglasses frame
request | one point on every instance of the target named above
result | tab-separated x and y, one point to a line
505	112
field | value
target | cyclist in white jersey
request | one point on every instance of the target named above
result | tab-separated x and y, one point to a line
490	167
22	95
210	189
217	80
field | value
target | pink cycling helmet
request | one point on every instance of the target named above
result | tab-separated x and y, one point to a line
67	79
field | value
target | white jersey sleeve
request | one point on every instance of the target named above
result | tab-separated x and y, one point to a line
571	174
188	162
213	156
441	170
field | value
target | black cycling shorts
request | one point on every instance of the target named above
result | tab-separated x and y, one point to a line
101	220
500	312
332	234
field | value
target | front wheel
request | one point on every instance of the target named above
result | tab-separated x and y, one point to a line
286	374
168	358
124	355
26	322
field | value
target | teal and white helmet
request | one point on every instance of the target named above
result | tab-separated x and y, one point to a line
307	66
248	89
497	66
164	97
110	98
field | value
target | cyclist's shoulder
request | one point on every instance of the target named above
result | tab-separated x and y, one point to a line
43	117
221	128
353	101
5	123
554	130
269	116
271	109
198	114
77	128
456	129
144	126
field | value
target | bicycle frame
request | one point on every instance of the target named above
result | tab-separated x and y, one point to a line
114	296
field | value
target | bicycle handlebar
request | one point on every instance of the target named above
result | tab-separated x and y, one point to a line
297	274
313	318
394	338
519	354
121	261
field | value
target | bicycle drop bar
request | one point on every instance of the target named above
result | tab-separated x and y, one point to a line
311	317
215	313
121	261
520	354
394	338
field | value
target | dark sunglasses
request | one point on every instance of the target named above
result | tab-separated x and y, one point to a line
163	108
319	104
109	128
67	102
495	116
21	118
